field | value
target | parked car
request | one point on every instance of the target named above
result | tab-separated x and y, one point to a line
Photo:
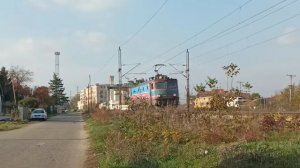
38	114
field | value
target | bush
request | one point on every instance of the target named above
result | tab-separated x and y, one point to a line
29	102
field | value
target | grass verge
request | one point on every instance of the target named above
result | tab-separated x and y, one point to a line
6	126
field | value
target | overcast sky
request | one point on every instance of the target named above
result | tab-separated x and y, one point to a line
261	37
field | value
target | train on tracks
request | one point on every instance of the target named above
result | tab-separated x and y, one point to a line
159	90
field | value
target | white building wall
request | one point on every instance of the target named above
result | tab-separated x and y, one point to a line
94	96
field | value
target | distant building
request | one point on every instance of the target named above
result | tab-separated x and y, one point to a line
114	97
203	100
93	96
103	96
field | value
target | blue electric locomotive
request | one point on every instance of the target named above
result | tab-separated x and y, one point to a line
159	91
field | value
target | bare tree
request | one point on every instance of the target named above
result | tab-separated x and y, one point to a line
20	75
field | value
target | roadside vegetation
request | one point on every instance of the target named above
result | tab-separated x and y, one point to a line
15	92
6	126
173	138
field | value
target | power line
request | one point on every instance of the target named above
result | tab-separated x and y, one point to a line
136	33
214	37
253	45
203	30
258	19
251	35
144	25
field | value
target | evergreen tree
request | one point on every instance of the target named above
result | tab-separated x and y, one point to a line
5	85
57	90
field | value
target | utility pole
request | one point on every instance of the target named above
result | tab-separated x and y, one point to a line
188	80
240	82
120	78
187	76
88	100
291	87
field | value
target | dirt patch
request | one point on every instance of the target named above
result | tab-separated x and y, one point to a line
91	160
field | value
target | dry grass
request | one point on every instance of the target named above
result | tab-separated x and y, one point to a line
157	137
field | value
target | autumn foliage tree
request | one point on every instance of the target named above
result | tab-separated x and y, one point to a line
43	96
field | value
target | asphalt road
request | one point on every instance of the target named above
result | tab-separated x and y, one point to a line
60	142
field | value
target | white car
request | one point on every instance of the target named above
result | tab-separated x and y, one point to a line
39	114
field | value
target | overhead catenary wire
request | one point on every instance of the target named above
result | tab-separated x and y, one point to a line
203	30
218	35
258	19
252	45
144	25
248	36
136	33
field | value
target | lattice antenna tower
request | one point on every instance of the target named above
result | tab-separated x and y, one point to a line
57	62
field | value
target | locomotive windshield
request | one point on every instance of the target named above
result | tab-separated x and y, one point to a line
172	85
161	85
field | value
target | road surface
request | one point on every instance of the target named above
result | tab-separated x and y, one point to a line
60	142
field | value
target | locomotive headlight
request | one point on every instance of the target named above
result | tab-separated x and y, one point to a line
174	95
158	96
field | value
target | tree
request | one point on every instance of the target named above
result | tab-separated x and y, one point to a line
247	86
231	70
255	96
29	102
200	88
43	96
57	90
19	77
211	82
73	101
5	86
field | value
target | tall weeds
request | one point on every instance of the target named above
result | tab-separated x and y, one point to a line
155	136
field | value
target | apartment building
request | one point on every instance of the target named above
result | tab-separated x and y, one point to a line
94	96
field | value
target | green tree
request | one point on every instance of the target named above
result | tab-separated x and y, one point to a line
5	86
247	86
29	102
211	82
57	90
231	70
200	88
255	96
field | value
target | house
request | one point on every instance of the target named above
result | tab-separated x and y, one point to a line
204	98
